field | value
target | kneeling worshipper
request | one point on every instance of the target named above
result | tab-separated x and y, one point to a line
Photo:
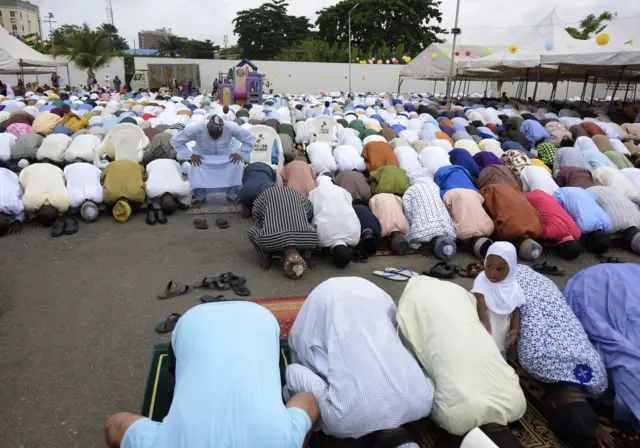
12	213
300	176
85	190
321	158
498	175
558	228
453	176
624	214
537	178
475	386
356	184
461	157
570	176
516	161
514	218
282	226
553	348
498	295
348	158
429	220
257	177
389	179
620	160
377	154
605	299
214	167
205	392
337	223
407	158
590	218
387	208
45	192
613	178
362	386
592	155
123	186
166	189
569	157
470	220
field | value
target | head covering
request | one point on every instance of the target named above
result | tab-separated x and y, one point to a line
505	296
598	242
484	159
121	210
463	158
529	250
578	131
602	142
571	176
620	160
89	211
399	244
453	176
215	126
534	131
444	247
592	128
341	254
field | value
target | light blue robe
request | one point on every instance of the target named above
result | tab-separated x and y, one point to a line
217	172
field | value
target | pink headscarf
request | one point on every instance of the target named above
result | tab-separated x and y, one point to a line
19	129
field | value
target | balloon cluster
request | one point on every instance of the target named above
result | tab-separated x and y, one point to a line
513	49
406	59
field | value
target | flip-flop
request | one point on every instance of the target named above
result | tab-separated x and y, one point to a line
222	223
169	324
402	271
218	283
472	270
201	224
442	270
238	286
174	290
212	299
391	276
548	268
610	259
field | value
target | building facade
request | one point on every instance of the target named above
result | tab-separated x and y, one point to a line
20	17
151	39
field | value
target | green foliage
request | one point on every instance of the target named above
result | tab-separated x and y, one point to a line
88	49
266	30
63	33
383	22
118	43
197	49
591	25
318	50
171	46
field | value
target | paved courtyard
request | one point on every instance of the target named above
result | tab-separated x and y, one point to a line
77	314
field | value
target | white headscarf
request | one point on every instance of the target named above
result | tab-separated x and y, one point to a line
505	296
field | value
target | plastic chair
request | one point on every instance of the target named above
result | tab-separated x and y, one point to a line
265	138
128	142
325	128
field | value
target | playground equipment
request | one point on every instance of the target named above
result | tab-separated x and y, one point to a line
242	86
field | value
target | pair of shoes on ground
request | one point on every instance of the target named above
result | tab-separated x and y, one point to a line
66	226
203	224
156	216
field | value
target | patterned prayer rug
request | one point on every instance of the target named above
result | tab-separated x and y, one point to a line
228	208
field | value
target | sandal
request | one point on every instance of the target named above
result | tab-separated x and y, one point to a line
442	270
169	323
218	283
548	268
174	290
222	223
238	286
391	276
201	224
405	272
610	259
212	299
71	226
472	270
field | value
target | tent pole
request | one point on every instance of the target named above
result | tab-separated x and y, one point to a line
555	85
535	90
400	81
593	90
584	87
455	32
468	86
566	93
635	89
486	87
626	92
615	89
435	83
68	76
526	86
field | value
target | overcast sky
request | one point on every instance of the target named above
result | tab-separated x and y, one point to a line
482	21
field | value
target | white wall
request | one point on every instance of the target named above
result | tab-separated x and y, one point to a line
312	77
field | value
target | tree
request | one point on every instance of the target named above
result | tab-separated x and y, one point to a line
198	49
378	22
172	46
63	33
591	25
265	31
118	43
88	49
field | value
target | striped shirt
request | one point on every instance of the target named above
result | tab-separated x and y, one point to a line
427	214
348	354
621	210
282	219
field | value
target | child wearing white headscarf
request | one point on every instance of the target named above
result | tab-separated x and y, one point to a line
499	296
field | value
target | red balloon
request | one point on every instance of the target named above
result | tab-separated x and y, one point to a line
457	53
126	66
289	76
353	60
468	53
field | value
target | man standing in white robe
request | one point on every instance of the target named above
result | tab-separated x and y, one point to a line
214	167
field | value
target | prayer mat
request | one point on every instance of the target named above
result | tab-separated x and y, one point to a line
531	430
223	209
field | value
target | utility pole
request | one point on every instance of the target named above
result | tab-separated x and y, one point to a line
352	9
225	40
455	31
50	20
110	13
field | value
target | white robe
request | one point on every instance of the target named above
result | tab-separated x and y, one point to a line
165	176
83	183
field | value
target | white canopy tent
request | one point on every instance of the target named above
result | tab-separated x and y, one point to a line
15	56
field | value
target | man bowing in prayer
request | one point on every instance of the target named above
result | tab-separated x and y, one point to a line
214	167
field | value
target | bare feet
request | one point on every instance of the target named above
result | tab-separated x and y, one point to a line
15	228
265	265
310	264
604	439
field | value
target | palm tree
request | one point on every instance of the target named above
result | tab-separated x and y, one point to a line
171	46
118	43
88	49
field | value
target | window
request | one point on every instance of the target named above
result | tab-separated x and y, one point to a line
23	28
12	14
15	27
